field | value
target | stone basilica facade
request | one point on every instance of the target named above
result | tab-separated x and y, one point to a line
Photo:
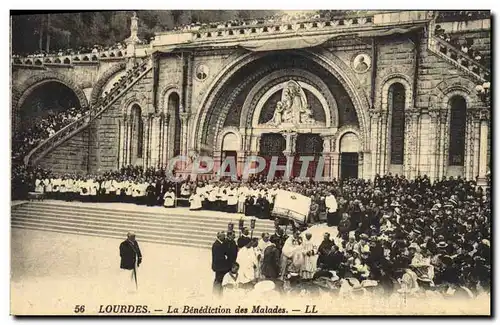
374	94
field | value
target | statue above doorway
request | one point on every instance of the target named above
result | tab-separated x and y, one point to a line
293	108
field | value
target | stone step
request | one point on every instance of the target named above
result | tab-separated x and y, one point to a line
162	214
149	239
208	225
132	224
177	226
141	232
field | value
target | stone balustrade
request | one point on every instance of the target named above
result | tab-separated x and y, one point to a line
459	58
320	25
72	128
56	59
282	28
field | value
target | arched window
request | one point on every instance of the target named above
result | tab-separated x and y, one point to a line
396	99
138	130
456	150
173	108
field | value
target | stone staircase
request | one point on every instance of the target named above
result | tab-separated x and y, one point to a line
459	59
73	128
176	226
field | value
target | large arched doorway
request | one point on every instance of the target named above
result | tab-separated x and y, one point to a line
349	155
46	101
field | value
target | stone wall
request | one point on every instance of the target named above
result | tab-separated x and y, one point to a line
106	128
69	157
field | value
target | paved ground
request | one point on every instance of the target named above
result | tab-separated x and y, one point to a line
52	272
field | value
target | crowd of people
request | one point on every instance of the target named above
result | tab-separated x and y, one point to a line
392	233
274	19
42	128
396	235
466	45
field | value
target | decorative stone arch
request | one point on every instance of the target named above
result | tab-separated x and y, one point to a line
450	87
214	88
20	94
447	94
249	111
254	116
129	101
341	132
106	76
391	80
220	138
165	94
325	59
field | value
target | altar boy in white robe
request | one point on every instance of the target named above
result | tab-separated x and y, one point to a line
232	200
195	202
39	186
169	198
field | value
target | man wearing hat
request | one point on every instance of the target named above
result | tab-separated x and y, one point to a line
131	258
220	261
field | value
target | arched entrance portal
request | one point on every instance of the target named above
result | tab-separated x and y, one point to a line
46	99
349	156
283	104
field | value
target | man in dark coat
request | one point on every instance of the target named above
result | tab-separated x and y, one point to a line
131	257
244	238
271	262
231	248
324	248
249	206
220	262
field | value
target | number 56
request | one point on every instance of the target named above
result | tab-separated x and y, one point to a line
79	308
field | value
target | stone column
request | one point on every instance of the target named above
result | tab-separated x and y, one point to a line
128	152
408	143
469	146
374	129
367	165
327	157
146	141
240	162
335	167
483	147
414	143
360	165
217	157
384	144
442	163
153	141
122	142
291	138
165	140
477	134
433	149
184	116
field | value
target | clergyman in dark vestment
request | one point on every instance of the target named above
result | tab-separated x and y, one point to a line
131	258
